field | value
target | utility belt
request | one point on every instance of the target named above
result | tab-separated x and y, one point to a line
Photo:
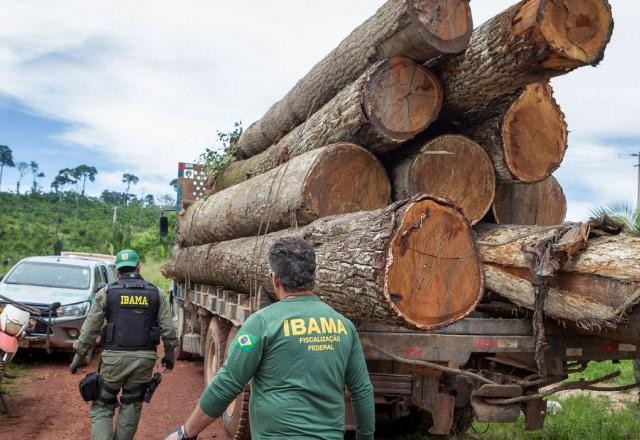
93	388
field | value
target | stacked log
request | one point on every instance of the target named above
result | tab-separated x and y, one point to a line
448	166
524	132
542	203
532	41
481	133
416	29
335	179
413	263
389	104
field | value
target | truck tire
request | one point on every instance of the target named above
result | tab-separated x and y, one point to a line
178	321
236	416
215	347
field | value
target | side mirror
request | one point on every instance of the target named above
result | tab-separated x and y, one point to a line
99	286
164	226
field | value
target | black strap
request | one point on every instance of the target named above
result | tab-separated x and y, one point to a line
133	394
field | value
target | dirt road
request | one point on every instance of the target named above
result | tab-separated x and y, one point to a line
47	405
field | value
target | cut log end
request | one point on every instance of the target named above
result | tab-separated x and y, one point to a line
347	178
534	134
434	276
542	204
578	30
446	24
401	98
455	168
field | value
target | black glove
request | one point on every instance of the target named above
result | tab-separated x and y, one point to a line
78	361
167	363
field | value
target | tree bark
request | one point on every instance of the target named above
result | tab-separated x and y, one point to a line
390	103
524	132
414	263
449	166
416	29
335	179
598	278
532	41
542	204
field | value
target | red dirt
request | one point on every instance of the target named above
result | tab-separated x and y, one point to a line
46	403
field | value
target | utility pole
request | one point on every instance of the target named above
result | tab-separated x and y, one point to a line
638	167
115	214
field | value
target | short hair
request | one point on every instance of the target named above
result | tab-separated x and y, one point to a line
127	269
293	260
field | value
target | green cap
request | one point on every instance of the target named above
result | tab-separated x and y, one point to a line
127	257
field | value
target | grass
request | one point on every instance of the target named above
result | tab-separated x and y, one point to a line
150	271
585	417
599	369
7	384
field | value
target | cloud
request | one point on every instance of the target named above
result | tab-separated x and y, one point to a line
148	83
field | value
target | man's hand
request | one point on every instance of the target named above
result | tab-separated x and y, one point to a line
78	361
173	436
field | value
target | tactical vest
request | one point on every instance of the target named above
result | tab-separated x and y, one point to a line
131	311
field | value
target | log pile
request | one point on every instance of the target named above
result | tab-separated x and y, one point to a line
467	129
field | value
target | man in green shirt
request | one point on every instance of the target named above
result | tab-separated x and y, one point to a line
136	316
300	354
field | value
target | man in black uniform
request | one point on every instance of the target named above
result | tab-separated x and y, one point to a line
136	315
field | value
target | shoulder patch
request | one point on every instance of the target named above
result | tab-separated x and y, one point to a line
246	342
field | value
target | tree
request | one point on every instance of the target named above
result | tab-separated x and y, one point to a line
149	199
23	169
167	200
6	159
85	172
174	184
622	212
66	176
37	174
129	179
112	197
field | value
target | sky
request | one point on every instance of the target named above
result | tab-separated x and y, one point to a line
138	86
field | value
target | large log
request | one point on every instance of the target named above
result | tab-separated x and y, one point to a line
414	262
390	103
598	277
416	29
524	132
335	179
542	203
531	41
449	166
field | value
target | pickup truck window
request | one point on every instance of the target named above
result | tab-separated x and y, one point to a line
99	279
105	276
50	275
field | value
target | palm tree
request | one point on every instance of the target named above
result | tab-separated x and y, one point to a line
129	179
23	169
6	159
622	212
37	174
86	172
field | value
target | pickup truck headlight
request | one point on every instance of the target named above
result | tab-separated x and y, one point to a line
77	310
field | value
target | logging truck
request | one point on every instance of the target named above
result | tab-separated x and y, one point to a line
486	367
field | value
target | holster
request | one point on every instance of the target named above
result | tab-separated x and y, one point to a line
91	386
151	386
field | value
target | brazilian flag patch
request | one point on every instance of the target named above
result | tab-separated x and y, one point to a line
246	342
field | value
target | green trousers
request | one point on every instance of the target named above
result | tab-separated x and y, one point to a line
125	373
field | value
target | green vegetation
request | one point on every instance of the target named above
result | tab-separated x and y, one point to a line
41	224
585	417
214	160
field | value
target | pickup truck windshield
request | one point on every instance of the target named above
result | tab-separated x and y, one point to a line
50	275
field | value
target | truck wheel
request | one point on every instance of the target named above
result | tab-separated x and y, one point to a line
178	321
236	416
214	347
